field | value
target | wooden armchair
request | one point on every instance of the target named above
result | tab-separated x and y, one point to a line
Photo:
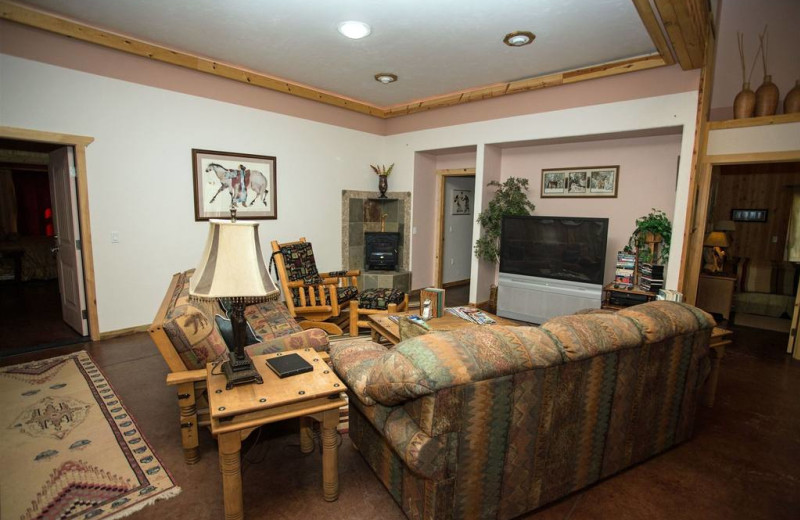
320	298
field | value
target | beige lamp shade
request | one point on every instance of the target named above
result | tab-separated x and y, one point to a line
232	266
716	239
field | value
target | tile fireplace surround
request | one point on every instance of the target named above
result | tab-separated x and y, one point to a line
361	212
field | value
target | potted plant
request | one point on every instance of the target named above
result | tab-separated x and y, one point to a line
653	228
510	199
382	172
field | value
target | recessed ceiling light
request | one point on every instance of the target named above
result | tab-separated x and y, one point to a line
519	38
354	30
385	77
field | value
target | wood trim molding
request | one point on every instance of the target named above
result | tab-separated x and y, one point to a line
650	21
73	29
438	258
754	121
127	332
744	158
79	142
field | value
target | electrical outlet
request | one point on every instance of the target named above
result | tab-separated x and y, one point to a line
115	237
414	230
452	261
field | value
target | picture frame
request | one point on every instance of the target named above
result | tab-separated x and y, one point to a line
749	215
461	202
217	180
593	181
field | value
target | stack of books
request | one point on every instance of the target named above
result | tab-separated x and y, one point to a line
626	266
652	278
669	295
436	296
472	314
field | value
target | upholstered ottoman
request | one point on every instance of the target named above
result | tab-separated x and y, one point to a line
375	301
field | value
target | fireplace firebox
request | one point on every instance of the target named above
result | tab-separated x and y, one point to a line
381	250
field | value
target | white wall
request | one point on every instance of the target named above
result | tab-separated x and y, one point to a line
140	173
668	111
457	253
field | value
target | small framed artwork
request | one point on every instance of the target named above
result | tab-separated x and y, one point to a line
749	215
461	202
596	181
225	179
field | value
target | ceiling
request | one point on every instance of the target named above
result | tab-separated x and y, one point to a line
436	47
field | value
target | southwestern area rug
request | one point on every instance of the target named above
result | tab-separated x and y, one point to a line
69	448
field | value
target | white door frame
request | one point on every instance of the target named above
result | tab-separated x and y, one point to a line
79	143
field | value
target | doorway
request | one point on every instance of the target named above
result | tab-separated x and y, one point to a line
456	193
40	288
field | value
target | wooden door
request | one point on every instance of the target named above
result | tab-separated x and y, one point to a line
67	244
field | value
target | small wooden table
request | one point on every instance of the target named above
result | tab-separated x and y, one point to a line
719	339
382	327
238	412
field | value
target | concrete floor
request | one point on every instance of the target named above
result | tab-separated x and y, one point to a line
743	462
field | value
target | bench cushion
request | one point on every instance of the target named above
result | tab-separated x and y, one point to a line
379	298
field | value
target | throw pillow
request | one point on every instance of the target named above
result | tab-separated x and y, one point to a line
225	328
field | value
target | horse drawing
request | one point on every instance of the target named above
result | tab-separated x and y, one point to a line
230	179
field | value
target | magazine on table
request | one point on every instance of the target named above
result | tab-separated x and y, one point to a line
471	314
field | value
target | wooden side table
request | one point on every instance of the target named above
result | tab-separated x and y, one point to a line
620	297
715	294
720	338
237	412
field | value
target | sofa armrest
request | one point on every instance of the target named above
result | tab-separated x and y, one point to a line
309	338
353	362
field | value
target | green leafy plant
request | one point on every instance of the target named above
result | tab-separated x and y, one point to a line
510	199
382	170
655	223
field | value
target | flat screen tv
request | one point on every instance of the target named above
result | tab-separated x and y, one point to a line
561	248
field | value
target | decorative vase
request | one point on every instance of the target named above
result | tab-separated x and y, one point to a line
767	98
791	105
383	185
744	105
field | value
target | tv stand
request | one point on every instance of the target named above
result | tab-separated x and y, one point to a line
536	300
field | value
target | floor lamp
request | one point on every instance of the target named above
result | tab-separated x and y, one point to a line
232	268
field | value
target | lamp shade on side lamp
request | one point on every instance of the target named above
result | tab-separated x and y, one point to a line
232	268
716	239
725	225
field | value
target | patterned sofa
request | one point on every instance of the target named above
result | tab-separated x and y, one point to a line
495	421
188	338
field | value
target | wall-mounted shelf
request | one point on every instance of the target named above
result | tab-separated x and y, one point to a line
754	121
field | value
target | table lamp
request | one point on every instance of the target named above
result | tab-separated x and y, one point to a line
232	268
714	251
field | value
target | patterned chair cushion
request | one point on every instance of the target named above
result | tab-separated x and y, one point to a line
300	263
379	298
343	295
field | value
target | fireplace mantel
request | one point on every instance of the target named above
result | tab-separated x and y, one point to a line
362	211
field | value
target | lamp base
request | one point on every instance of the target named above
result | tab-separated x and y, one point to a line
240	372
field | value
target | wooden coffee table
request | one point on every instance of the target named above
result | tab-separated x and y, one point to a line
237	412
720	338
382	327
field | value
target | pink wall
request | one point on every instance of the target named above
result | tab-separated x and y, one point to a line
456	160
647	179
423	204
750	17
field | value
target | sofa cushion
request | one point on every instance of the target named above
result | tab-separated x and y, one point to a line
659	320
190	326
316	339
271	320
424	455
353	361
580	336
424	364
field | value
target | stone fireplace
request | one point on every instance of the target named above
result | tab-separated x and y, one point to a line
365	212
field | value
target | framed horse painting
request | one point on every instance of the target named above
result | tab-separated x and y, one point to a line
225	180
595	181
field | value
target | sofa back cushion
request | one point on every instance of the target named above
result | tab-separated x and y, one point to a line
190	326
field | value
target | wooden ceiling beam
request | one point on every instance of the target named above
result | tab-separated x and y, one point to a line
686	22
650	22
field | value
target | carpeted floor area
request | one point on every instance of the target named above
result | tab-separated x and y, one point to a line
740	464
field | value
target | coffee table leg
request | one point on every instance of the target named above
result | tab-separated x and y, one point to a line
330	455
306	435
230	444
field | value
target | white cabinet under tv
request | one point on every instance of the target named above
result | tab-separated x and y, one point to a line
536	300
